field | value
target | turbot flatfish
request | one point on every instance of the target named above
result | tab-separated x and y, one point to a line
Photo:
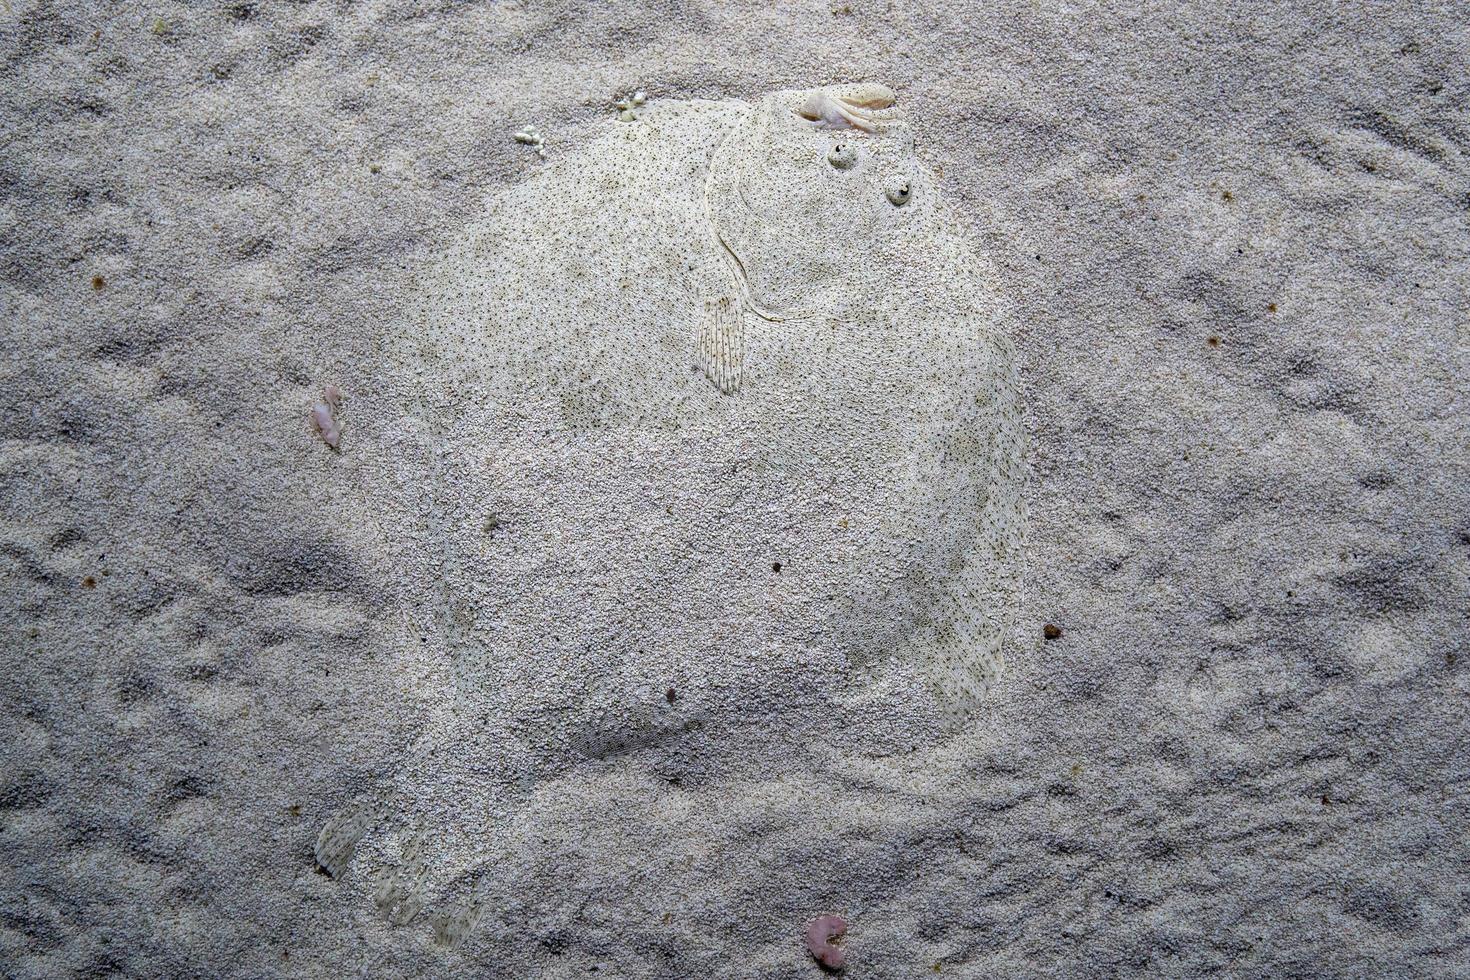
730	450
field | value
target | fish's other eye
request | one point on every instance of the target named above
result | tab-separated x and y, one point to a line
842	156
899	193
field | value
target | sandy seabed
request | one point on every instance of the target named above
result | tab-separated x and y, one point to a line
1237	240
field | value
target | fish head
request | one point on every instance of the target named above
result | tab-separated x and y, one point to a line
815	216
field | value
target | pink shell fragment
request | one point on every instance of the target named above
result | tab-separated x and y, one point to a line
324	420
819	936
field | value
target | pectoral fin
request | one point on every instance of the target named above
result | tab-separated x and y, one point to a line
721	347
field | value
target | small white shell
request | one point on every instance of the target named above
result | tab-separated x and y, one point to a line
865	106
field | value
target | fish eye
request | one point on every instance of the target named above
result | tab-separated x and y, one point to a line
842	156
899	193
